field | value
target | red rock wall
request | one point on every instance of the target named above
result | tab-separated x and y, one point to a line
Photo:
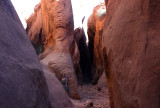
57	27
95	30
84	62
131	53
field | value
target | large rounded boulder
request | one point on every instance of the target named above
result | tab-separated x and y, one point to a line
22	83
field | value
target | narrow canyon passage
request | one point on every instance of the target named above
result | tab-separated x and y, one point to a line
58	53
110	60
55	52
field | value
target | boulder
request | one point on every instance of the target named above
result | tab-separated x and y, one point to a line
57	95
95	30
131	36
102	82
22	83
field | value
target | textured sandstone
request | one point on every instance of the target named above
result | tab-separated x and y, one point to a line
56	34
34	26
131	53
58	25
61	63
22	84
57	22
34	29
95	30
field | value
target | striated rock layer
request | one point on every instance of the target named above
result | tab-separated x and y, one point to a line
131	53
95	30
22	83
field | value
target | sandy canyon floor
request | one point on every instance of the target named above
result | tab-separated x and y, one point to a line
92	97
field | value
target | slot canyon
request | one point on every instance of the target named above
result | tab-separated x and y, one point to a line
80	54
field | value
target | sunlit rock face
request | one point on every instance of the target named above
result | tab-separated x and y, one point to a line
58	26
131	53
95	30
57	23
34	29
55	33
22	83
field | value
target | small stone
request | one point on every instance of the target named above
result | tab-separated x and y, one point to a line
91	104
99	88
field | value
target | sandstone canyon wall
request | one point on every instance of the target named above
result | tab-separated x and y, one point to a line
51	26
131	52
57	27
85	64
95	30
22	83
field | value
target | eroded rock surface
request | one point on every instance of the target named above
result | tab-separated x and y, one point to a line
22	83
34	29
95	30
55	21
57	27
131	53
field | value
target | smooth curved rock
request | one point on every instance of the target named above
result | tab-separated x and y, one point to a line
131	43
95	30
22	83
